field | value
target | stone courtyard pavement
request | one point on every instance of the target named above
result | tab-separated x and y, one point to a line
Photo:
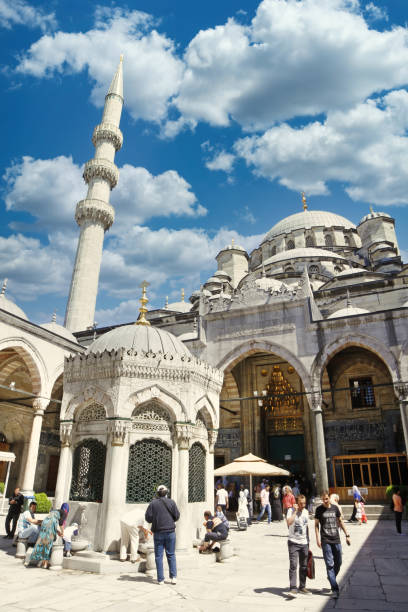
374	576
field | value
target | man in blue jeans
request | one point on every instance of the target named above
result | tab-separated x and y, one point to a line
162	513
328	518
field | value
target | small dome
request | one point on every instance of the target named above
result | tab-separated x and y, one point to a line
349	311
11	307
267	284
222	274
179	307
308	219
302	253
141	338
374	215
213	279
60	330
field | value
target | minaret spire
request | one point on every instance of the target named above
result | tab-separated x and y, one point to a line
95	215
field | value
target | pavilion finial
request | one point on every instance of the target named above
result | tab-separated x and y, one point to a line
121	57
232	242
143	301
182	295
54	317
371	210
166	303
304	201
4	287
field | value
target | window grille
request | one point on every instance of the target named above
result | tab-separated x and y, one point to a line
328	240
290	245
362	393
314	269
149	466
94	412
196	473
310	241
88	471
273	251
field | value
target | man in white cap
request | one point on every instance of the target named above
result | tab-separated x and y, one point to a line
162	513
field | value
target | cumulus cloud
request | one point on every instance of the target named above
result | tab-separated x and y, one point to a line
50	188
375	13
296	58
19	12
365	148
152	71
221	161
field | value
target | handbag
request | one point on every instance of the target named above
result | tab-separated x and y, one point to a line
310	565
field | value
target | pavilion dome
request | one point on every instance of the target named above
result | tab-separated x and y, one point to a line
60	330
11	307
375	215
140	338
308	219
348	312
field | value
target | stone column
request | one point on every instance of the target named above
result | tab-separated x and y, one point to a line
321	468
402	390
210	497
114	494
184	535
65	464
39	406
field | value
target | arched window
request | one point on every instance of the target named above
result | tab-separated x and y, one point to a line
347	240
149	467
88	471
196	473
289	269
328	240
337	269
310	241
273	251
290	245
314	270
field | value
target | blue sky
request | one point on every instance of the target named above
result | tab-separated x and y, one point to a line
231	110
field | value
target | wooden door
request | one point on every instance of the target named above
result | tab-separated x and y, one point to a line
52	474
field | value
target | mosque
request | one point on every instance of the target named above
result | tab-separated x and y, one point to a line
297	352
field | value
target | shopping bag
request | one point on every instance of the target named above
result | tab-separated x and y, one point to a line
310	565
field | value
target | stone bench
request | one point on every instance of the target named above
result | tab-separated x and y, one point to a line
226	552
147	549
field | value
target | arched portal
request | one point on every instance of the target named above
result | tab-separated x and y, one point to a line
363	430
264	410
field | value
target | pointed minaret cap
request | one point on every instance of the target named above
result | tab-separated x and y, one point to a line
116	86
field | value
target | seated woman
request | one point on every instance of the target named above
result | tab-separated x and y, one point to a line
52	525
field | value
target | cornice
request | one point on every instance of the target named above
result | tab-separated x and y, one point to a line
95	210
108	132
101	168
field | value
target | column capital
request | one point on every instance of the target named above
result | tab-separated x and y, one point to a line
401	389
39	405
183	435
118	430
212	439
316	400
66	433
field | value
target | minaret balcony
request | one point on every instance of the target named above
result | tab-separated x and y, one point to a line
95	211
103	169
108	132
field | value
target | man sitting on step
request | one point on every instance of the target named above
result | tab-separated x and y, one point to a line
216	532
28	525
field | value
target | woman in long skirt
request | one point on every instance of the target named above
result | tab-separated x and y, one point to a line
277	504
48	532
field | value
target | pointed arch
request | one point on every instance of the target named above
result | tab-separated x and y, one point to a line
32	359
85	398
158	394
206	409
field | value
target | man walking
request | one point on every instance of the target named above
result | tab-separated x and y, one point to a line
162	513
265	504
297	520
221	498
16	502
329	519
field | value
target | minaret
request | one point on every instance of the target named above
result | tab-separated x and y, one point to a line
95	215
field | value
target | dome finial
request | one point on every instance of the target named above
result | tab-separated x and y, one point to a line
232	242
182	295
4	286
304	201
54	317
371	210
348	303
143	301
166	303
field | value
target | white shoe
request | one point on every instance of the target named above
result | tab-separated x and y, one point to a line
174	581
68	554
161	582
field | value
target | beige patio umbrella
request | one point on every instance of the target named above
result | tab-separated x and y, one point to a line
250	465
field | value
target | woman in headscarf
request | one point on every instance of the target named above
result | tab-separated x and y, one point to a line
64	510
277	504
48	533
357	498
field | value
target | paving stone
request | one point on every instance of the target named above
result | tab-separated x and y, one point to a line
353	603
396	593
365	578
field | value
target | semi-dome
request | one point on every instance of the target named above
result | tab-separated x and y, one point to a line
307	219
374	215
140	338
301	253
60	330
9	306
179	307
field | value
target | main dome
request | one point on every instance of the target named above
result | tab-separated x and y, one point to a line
143	338
306	220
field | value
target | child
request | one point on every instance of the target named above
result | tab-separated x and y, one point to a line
67	538
363	513
359	512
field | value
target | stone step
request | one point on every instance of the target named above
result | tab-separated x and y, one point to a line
373	511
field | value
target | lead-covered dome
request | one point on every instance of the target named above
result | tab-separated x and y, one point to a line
307	219
60	330
11	307
140	338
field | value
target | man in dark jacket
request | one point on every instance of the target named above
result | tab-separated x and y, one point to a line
162	513
16	502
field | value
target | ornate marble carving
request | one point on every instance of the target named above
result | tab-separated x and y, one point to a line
109	132
118	430
95	210
228	437
101	168
66	433
94	412
151	418
183	433
402	391
315	399
212	439
354	430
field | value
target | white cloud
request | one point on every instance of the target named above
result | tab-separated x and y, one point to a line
19	12
375	13
296	58
221	161
365	148
49	190
152	71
